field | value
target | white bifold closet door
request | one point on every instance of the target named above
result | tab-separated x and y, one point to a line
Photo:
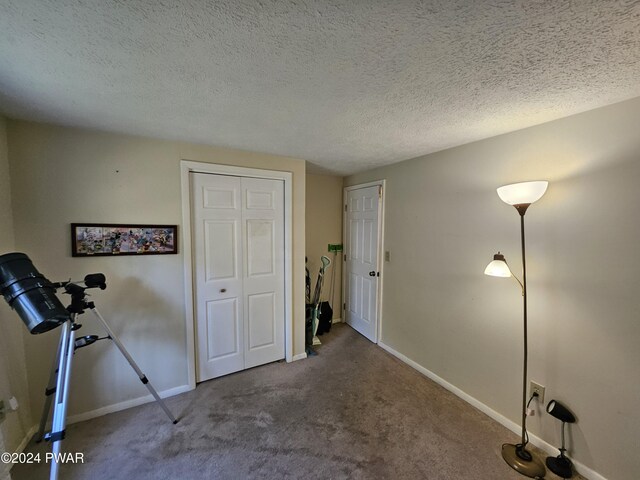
238	236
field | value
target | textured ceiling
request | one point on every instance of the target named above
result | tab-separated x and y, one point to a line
345	84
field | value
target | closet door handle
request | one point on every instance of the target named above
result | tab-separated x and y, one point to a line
223	290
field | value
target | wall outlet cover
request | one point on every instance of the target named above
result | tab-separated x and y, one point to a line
537	388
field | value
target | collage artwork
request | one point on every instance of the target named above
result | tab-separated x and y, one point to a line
103	240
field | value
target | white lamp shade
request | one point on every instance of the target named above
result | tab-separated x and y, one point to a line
498	268
523	193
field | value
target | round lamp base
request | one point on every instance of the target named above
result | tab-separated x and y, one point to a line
532	468
561	466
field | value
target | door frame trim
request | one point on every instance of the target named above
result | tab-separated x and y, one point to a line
381	214
190	166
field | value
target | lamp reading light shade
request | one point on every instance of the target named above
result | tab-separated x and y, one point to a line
498	267
524	193
562	413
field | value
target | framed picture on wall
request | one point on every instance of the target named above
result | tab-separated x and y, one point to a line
107	239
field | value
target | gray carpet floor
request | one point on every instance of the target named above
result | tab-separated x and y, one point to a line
351	412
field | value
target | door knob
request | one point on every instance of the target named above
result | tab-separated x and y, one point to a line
222	290
372	273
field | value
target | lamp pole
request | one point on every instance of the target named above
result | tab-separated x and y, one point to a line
517	456
522	211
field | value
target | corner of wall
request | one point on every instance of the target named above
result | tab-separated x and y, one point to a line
13	371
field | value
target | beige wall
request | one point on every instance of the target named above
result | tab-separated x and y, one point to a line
13	376
63	175
324	226
444	221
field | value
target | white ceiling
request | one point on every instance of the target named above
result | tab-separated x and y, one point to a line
345	84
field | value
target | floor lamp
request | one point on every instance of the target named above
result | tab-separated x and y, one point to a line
521	196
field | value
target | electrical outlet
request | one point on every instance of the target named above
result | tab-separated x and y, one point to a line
537	388
2	410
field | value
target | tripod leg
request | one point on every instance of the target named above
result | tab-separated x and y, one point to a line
141	376
67	346
51	389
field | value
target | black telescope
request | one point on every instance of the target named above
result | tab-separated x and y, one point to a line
34	299
30	294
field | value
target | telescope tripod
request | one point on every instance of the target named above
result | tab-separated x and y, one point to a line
58	385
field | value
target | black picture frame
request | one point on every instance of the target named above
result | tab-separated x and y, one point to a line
115	239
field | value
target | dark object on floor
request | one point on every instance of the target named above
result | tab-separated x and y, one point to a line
308	326
560	465
308	314
307	281
325	317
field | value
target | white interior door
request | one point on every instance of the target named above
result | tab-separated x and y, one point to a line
361	262
263	236
238	238
217	225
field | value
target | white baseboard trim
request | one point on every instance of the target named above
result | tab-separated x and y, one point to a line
336	320
300	356
134	402
105	410
511	425
32	431
23	444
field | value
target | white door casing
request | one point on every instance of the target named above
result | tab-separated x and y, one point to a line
362	259
187	167
238	228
